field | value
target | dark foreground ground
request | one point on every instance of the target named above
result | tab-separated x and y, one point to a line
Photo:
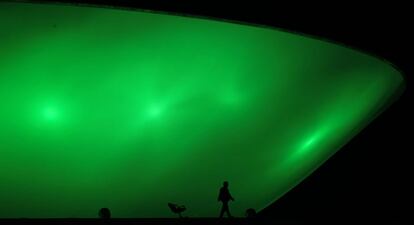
188	221
153	221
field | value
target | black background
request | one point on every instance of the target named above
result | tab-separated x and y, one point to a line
369	178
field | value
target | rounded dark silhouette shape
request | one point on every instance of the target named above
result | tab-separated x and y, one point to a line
104	213
251	213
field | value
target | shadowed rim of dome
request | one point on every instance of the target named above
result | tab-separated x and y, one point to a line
116	6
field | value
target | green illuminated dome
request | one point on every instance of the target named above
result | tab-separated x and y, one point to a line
132	110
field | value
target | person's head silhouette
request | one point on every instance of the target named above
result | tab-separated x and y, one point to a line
225	184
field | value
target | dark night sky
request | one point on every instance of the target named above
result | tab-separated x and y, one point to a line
369	177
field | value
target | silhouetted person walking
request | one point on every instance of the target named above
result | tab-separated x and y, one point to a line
225	197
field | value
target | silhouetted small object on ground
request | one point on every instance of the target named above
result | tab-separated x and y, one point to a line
225	197
105	213
177	209
251	213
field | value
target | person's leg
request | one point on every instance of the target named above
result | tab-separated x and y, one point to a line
223	209
228	211
226	208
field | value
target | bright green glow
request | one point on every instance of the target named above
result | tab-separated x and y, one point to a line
50	113
155	111
131	110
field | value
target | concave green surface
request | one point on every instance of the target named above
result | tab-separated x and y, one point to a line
131	110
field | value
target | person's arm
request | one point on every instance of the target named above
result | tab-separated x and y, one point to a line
231	197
